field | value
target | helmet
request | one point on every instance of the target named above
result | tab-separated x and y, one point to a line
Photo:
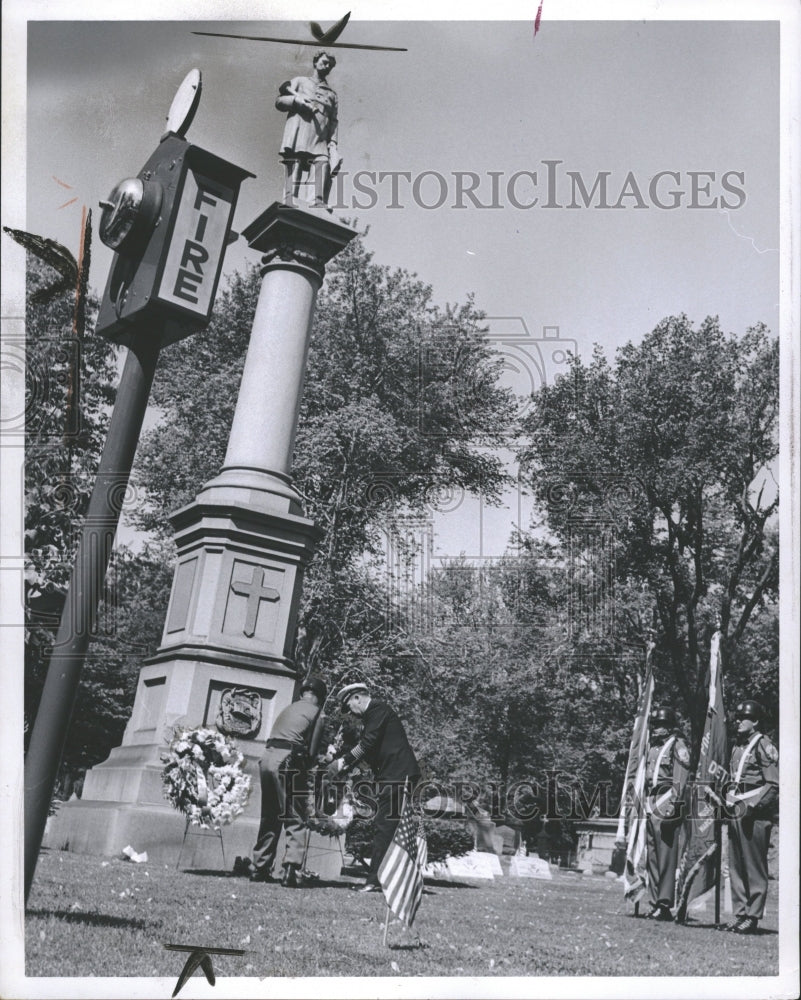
750	710
665	716
317	686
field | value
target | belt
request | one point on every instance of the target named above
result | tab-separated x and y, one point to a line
278	744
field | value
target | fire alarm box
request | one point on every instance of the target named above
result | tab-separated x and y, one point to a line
169	228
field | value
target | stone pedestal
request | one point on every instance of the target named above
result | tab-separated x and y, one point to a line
242	545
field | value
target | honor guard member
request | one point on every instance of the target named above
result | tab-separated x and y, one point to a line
384	746
665	784
751	802
284	773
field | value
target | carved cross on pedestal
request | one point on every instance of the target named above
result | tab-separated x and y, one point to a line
256	592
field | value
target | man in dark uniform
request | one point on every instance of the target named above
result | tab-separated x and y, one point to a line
666	777
284	779
384	746
751	804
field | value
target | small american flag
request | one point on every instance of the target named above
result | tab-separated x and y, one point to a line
401	871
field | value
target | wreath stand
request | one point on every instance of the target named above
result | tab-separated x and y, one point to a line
326	856
327	849
201	832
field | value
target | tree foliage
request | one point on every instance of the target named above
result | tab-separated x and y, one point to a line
69	385
671	449
508	693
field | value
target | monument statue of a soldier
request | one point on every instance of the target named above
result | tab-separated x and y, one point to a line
309	145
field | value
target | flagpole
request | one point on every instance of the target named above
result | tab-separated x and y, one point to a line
719	871
718	820
701	865
386	925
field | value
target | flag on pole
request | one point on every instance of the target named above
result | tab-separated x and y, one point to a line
401	871
698	869
631	823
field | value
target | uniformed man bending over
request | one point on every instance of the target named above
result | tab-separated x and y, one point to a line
751	803
384	746
284	774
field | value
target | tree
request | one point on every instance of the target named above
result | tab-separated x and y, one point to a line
753	668
511	700
671	449
69	384
130	622
486	644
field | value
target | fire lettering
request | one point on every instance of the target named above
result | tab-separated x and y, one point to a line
190	273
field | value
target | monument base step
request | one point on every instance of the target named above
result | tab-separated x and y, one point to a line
106	828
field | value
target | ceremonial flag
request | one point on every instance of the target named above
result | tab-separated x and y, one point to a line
631	824
401	871
699	867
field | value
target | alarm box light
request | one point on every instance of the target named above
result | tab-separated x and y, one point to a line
169	228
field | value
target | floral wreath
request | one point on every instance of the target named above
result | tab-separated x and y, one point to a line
347	805
203	777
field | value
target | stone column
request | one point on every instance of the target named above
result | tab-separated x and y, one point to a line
242	546
296	244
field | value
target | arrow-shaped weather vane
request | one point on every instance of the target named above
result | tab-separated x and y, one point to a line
321	38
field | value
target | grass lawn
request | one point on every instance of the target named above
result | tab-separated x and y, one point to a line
91	916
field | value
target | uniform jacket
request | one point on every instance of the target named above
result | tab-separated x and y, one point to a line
755	771
295	723
666	775
383	745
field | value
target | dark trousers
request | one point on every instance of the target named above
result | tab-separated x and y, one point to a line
662	840
281	787
749	840
388	814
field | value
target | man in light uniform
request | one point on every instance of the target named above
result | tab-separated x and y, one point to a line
665	783
751	805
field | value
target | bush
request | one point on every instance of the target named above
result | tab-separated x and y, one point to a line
446	838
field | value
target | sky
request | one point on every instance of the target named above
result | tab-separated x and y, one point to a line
665	85
624	100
